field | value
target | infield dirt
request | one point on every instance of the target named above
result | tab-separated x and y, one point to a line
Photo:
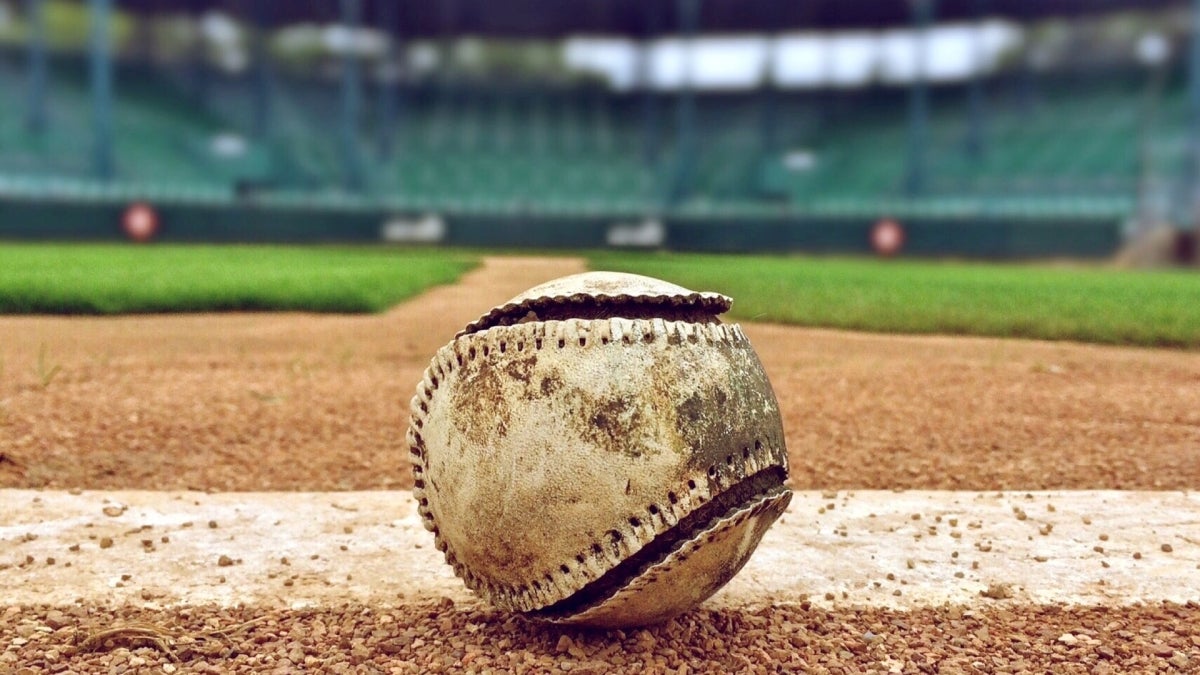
318	402
303	402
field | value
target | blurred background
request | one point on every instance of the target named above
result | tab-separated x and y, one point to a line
974	128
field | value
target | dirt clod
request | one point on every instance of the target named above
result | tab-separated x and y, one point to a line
997	592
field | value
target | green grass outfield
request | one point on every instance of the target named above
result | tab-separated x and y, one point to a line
117	279
1090	304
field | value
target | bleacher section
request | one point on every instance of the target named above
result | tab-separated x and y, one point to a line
1066	146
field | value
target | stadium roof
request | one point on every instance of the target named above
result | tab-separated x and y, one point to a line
553	18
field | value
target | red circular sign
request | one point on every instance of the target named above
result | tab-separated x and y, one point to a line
887	237
140	222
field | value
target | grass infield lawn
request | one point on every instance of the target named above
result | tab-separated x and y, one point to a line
1089	304
116	279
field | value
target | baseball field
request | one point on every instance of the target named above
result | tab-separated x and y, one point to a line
193	483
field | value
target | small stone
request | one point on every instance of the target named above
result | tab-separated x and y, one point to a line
224	561
1162	650
1159	649
106	542
113	511
1167	548
55	619
997	591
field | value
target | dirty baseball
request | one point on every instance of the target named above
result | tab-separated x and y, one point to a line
600	450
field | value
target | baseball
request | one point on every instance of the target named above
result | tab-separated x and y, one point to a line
600	450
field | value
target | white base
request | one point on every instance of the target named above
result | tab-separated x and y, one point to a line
845	553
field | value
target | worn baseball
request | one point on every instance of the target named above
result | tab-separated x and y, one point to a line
600	450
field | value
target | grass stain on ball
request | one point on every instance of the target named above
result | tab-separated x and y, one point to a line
601	450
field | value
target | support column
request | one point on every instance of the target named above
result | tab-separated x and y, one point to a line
976	145
198	68
1190	208
918	100
651	132
685	129
768	120
261	123
35	120
100	66
352	169
389	82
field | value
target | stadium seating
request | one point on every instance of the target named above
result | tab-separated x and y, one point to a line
1072	145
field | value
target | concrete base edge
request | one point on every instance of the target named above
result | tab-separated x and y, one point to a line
869	548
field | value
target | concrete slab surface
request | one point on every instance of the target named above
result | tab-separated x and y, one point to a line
873	548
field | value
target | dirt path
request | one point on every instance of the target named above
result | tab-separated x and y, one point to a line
232	401
955	413
317	402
